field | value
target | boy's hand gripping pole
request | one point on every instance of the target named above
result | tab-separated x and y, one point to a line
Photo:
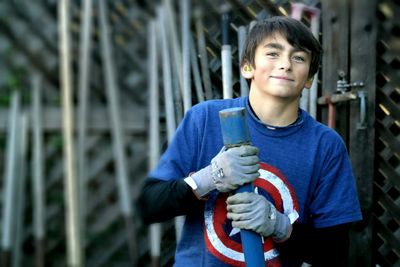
235	132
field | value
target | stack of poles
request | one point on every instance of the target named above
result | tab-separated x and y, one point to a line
14	184
112	92
38	182
308	100
74	249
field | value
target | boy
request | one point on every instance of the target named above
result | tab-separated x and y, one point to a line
305	195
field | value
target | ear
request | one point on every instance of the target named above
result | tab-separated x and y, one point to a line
247	71
309	83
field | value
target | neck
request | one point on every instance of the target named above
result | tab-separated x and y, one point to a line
274	111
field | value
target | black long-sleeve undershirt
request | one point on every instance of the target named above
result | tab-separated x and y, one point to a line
163	200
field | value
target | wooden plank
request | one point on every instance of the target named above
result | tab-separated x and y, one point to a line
361	145
133	118
335	42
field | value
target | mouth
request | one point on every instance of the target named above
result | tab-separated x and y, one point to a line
282	78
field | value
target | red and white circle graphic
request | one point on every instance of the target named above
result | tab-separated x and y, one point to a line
223	241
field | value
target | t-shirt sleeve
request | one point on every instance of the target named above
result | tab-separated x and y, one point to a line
334	200
179	159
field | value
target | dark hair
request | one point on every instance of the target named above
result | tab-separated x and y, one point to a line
296	33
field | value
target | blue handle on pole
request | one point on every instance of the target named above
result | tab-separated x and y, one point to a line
235	132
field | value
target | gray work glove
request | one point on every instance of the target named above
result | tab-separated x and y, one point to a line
234	167
228	170
254	212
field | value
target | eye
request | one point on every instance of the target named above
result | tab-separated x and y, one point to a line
299	58
272	54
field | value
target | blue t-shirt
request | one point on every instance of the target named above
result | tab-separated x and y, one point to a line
305	172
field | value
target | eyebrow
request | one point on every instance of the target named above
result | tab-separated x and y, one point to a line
274	45
281	47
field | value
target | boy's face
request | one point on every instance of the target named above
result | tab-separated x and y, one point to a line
280	69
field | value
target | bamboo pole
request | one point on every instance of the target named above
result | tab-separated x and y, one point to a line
39	192
84	83
74	253
117	132
9	181
154	133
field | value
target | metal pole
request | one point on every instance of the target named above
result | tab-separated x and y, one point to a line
167	82
235	133
308	100
168	98
84	83
196	72
314	86
244	88
296	13
117	131
187	90
9	181
175	58
226	54
20	190
154	133
74	253
169	19
39	192
201	43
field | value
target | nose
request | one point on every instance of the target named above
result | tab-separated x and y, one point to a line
285	63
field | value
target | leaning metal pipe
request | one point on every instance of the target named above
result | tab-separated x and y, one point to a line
117	132
196	72
74	253
175	58
9	180
201	43
154	132
244	88
308	100
315	16
226	55
168	98
39	192
20	190
187	92
83	83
